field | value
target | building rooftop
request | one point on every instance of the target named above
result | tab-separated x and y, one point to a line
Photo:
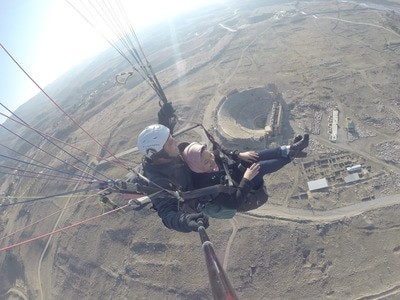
352	177
317	184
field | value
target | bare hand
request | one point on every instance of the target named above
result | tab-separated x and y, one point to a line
249	156
252	171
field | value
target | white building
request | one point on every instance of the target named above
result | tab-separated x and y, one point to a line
318	184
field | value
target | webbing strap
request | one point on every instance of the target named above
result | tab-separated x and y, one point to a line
224	163
228	175
211	191
206	191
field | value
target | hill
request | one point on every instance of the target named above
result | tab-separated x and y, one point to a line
338	242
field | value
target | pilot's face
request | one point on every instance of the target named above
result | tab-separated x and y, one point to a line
171	147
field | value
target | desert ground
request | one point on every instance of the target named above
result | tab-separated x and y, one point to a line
318	58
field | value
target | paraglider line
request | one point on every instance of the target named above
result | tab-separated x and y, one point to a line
62	229
37	147
50	215
51	178
45	176
47	139
48	197
36	165
58	140
60	108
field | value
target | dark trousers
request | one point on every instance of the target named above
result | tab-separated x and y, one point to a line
270	160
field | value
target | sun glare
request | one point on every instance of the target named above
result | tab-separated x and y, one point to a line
147	12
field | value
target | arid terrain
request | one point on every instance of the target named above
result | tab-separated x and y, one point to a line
334	67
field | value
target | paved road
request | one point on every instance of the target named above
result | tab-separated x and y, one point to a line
310	216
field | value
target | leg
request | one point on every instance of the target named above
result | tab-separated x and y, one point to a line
254	200
299	143
292	150
268	154
269	166
296	149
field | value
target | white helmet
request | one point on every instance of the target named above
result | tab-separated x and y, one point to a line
152	139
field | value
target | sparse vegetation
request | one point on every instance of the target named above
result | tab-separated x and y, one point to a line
300	245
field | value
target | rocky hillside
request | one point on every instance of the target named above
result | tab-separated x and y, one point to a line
329	244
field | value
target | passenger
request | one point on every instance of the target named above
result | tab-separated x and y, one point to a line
163	166
246	172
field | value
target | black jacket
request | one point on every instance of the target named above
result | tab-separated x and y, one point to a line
173	176
237	195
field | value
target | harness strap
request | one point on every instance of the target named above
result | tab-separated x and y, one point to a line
126	187
216	145
212	191
228	175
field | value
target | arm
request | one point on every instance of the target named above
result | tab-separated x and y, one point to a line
165	203
239	195
167	209
167	206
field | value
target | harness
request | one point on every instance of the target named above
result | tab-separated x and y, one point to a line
135	183
223	156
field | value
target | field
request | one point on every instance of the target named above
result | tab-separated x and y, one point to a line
339	242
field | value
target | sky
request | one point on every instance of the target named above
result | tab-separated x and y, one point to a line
48	37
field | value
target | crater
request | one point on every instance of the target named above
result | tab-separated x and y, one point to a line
251	116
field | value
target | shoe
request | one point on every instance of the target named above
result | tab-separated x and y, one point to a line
299	144
297	138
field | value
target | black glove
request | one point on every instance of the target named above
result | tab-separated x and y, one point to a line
166	116
192	221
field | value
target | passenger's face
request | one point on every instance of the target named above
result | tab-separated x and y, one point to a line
171	147
208	161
